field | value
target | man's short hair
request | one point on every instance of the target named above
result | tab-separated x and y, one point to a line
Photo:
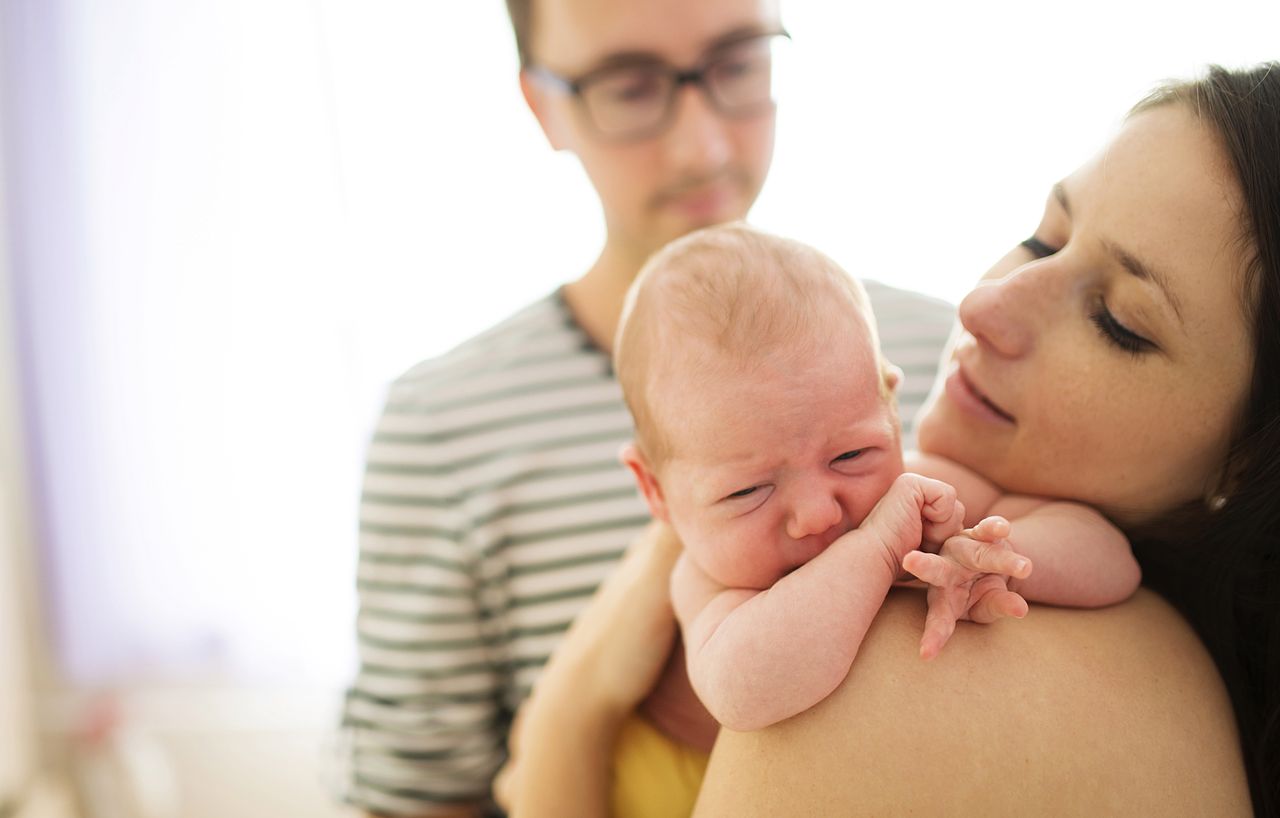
521	13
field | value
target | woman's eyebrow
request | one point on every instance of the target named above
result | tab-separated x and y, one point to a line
1060	193
1133	265
1141	270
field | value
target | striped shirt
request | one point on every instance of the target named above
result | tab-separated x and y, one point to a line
493	505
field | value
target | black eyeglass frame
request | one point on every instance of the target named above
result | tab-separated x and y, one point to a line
696	75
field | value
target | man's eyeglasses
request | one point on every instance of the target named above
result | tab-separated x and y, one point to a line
636	99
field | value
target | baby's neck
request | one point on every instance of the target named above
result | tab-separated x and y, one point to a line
674	708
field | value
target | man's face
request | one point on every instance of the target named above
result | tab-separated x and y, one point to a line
703	168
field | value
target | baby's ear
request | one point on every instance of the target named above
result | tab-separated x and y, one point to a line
646	480
893	376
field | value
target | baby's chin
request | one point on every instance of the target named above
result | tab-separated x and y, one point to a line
759	577
748	577
759	567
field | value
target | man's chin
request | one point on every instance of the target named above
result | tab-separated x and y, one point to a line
682	223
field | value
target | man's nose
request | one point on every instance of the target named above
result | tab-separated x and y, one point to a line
698	140
814	513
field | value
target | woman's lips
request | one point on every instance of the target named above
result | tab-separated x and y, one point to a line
967	396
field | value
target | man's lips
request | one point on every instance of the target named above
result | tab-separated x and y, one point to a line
703	201
698	194
962	390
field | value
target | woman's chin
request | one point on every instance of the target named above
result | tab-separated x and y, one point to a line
942	431
931	427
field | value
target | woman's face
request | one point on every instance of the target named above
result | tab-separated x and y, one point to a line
1107	362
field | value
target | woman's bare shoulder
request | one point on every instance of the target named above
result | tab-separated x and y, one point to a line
1113	711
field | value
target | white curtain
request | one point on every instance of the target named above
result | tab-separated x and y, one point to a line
235	220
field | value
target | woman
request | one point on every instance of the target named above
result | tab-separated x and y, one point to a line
1129	356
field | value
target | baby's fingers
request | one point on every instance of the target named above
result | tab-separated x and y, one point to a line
997	604
986	557
929	568
991	529
939	622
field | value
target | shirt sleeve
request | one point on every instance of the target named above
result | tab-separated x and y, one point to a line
423	727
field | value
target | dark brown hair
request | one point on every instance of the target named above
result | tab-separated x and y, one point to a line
521	14
1218	561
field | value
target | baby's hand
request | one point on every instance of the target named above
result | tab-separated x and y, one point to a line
915	508
968	579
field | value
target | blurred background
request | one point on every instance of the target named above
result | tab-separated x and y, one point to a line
225	225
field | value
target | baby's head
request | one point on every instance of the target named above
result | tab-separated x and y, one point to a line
765	419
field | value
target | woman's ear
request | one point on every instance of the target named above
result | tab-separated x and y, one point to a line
646	480
550	117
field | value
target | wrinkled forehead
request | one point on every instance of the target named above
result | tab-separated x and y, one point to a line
708	401
579	34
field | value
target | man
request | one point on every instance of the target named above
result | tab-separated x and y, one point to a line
494	502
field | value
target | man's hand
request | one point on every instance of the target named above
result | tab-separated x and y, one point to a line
969	579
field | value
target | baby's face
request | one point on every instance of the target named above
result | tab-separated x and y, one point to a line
770	465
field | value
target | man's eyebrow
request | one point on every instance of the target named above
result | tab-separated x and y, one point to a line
645	58
740	33
1140	269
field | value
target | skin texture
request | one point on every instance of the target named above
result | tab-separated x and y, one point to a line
757	657
811	469
704	169
1082	407
1110	712
773	460
1117	711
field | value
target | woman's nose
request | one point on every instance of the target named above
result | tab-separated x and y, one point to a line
1003	313
813	514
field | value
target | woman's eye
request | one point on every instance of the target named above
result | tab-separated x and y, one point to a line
1118	334
849	455
742	493
1038	248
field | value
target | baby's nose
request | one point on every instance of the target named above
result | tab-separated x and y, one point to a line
812	515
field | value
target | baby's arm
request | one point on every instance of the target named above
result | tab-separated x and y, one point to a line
758	657
1079	558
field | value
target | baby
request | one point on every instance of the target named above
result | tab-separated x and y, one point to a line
767	437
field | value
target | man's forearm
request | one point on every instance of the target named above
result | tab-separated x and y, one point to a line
567	742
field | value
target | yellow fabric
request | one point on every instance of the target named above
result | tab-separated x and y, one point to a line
654	776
